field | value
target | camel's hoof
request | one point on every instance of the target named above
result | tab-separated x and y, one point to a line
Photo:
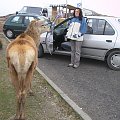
16	118
20	119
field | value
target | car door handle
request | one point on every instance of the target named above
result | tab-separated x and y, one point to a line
108	40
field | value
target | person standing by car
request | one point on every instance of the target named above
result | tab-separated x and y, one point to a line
76	30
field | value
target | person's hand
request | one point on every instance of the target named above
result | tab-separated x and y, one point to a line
79	35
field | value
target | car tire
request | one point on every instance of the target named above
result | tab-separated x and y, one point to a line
113	60
40	51
9	34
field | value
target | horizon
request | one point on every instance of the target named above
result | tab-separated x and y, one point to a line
105	7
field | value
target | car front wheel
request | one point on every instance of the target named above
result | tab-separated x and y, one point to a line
9	34
113	60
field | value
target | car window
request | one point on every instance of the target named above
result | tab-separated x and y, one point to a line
62	28
99	27
64	24
46	21
43	18
17	19
109	30
28	19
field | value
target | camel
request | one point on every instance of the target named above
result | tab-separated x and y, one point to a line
22	58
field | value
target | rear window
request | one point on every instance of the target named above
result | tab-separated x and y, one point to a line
99	27
17	19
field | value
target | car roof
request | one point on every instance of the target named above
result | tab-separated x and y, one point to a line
30	14
102	17
27	14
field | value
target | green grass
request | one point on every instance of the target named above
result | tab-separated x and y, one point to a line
7	101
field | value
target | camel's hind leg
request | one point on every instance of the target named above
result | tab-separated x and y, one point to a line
14	79
30	77
21	91
26	87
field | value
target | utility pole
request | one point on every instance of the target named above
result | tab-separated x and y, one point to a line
66	8
81	4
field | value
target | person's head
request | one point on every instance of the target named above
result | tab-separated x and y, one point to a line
78	13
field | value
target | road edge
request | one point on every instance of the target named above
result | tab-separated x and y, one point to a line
65	97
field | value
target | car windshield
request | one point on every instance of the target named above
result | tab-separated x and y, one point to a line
27	9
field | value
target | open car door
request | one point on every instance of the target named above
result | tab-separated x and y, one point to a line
49	42
49	35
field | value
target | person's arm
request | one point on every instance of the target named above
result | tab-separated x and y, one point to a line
83	27
70	21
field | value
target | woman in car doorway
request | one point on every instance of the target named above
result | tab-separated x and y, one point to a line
76	30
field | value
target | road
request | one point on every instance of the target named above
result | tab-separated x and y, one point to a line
93	86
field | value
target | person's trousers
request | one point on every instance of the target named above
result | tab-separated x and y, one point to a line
75	52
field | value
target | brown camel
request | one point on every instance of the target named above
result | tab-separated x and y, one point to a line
22	58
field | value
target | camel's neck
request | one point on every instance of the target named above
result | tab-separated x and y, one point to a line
35	34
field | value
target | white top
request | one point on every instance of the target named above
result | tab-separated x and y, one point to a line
74	32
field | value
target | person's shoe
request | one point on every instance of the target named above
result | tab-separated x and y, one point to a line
75	66
70	65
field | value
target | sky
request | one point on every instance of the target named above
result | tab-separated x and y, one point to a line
106	7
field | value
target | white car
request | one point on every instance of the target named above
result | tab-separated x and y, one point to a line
101	42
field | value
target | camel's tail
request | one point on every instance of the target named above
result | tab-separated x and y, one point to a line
22	59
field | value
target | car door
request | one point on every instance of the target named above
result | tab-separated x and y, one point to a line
16	24
55	37
100	37
27	20
59	33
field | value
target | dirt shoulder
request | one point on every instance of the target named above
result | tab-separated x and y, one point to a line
2	20
46	104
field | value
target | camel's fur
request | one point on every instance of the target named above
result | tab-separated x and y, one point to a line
22	58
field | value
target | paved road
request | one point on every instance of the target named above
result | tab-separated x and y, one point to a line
93	86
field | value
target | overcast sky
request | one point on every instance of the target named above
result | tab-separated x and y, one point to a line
107	7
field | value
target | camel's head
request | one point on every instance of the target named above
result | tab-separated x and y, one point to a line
43	27
40	25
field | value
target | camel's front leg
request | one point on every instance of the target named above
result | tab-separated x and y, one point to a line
17	116
20	112
22	109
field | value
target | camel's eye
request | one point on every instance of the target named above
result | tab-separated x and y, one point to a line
44	26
